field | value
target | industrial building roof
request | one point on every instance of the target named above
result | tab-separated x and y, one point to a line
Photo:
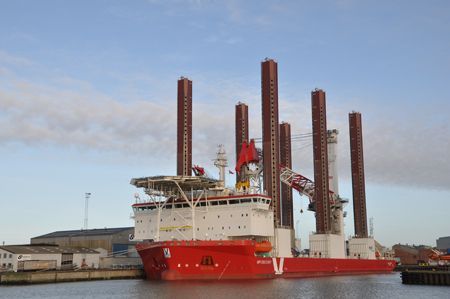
83	232
38	249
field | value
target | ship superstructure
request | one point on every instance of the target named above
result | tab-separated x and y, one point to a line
201	208
196	209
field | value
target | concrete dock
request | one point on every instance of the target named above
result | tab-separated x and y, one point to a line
15	278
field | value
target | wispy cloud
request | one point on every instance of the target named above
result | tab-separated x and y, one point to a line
220	39
409	151
402	147
8	59
230	11
239	13
34	115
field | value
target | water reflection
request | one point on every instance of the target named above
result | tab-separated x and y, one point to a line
369	286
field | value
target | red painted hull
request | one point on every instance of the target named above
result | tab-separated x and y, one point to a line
217	260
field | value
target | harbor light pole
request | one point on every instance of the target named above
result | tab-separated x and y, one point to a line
87	195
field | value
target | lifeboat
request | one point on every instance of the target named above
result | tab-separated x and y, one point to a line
263	247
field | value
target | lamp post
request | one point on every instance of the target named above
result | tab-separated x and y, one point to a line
87	195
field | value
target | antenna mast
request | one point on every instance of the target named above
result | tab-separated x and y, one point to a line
221	162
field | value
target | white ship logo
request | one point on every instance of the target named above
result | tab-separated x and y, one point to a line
166	252
278	269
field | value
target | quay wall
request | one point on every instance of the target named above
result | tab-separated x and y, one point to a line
65	276
426	277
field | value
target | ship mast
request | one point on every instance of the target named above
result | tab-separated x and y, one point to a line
221	162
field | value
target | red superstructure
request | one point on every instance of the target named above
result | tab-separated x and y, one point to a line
216	260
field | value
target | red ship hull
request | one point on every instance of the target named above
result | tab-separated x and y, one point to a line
217	260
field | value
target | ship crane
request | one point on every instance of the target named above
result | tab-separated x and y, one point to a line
306	187
249	167
302	184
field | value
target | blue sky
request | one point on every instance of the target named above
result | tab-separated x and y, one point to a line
88	90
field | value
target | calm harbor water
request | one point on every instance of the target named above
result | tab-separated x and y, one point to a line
370	286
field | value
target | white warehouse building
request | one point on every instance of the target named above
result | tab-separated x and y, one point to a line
36	257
